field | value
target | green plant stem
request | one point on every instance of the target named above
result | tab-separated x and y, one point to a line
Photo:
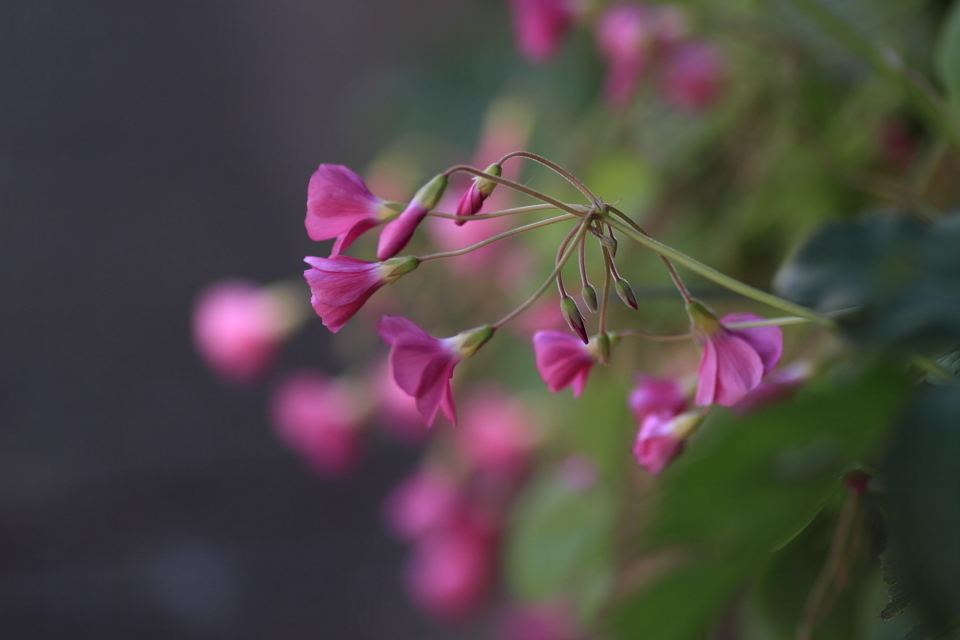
935	369
721	279
652	338
581	229
463	168
560	253
492	214
569	177
499	236
607	273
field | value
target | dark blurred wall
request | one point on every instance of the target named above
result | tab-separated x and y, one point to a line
147	149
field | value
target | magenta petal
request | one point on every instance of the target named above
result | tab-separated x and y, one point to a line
390	327
337	201
470	203
766	341
653	395
562	360
739	369
707	376
345	240
342	280
656	444
397	234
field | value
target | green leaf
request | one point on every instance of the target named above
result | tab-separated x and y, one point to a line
903	278
948	56
745	485
559	543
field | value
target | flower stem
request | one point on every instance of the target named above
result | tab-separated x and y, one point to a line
463	168
646	336
770	322
492	214
557	169
499	236
723	280
607	273
571	247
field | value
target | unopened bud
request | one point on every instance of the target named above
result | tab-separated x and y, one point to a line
429	194
589	295
610	244
485	187
571	313
468	342
625	291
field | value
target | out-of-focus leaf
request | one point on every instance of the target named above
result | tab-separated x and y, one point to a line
745	485
559	543
923	477
903	276
948	56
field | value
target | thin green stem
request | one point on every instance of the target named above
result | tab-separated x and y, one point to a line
606	291
499	236
646	336
581	228
463	168
557	169
582	261
492	214
677	282
560	252
935	369
771	322
723	280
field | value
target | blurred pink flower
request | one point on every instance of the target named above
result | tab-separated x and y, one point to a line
423	365
341	285
562	360
423	503
497	435
662	437
450	573
624	34
733	360
318	418
779	386
656	396
398	411
540	26
693	77
238	327
339	205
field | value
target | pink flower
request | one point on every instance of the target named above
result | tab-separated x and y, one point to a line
540	26
624	35
562	360
238	327
693	77
734	360
497	435
450	573
319	419
473	198
339	205
397	234
662	437
656	396
423	365
543	621
422	504
340	285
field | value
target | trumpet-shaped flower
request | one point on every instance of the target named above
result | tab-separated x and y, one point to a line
423	365
540	26
340	285
562	360
733	360
662	437
339	205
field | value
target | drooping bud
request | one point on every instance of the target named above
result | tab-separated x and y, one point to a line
472	200
702	319
391	270
397	234
571	313
589	295
610	244
625	291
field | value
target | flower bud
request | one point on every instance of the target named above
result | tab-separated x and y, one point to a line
471	201
468	342
625	291
429	194
603	348
610	244
394	268
571	313
589	295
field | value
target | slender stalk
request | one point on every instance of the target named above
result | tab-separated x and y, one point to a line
646	336
499	236
492	214
463	168
770	322
557	169
581	227
677	282
583	262
723	280
560	252
606	291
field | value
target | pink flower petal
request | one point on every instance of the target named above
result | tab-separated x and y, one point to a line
338	204
766	341
739	369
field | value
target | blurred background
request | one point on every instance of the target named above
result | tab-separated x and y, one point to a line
146	150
